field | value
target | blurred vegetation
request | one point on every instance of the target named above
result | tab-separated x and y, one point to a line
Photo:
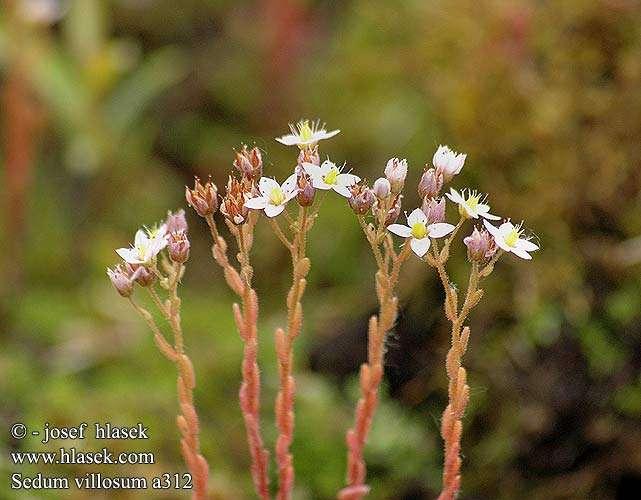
110	107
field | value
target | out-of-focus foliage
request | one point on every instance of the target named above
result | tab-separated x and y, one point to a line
132	98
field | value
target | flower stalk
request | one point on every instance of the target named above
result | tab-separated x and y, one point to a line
246	318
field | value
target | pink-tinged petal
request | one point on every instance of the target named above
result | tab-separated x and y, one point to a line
455	196
313	170
526	245
421	246
290	183
274	210
400	230
347	179
521	253
416	217
258	203
266	184
343	191
288	140
440	229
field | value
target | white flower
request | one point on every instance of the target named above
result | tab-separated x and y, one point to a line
274	196
508	237
420	232
471	204
448	162
329	176
305	133
147	244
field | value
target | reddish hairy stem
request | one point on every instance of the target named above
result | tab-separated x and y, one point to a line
371	373
246	318
284	350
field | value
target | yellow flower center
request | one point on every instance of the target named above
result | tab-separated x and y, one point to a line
276	196
419	231
305	132
330	177
471	203
511	238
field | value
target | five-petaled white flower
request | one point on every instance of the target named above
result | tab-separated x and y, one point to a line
448	162
471	204
508	237
306	133
329	176
420	232
147	244
274	196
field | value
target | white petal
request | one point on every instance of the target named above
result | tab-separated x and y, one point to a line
347	179
266	184
439	229
343	191
128	255
141	237
319	183
490	216
501	244
313	170
493	230
455	196
417	216
290	195
421	246
526	245
506	228
321	134
326	166
290	183
258	203
521	253
274	210
400	230
288	140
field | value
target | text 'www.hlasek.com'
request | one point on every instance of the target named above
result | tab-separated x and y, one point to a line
76	454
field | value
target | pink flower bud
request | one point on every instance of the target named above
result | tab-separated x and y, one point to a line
362	199
434	210
394	212
396	171
141	275
178	247
382	188
233	204
249	162
480	246
203	198
121	280
176	221
430	184
306	191
309	155
448	162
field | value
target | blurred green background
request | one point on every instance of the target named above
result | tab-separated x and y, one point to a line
110	107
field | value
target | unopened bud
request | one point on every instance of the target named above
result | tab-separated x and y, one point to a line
309	155
306	191
249	162
233	204
430	184
203	198
362	199
434	210
178	247
394	212
176	222
448	162
141	275
396	171
121	280
480	246
382	188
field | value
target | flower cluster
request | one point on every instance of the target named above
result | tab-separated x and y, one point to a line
139	264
